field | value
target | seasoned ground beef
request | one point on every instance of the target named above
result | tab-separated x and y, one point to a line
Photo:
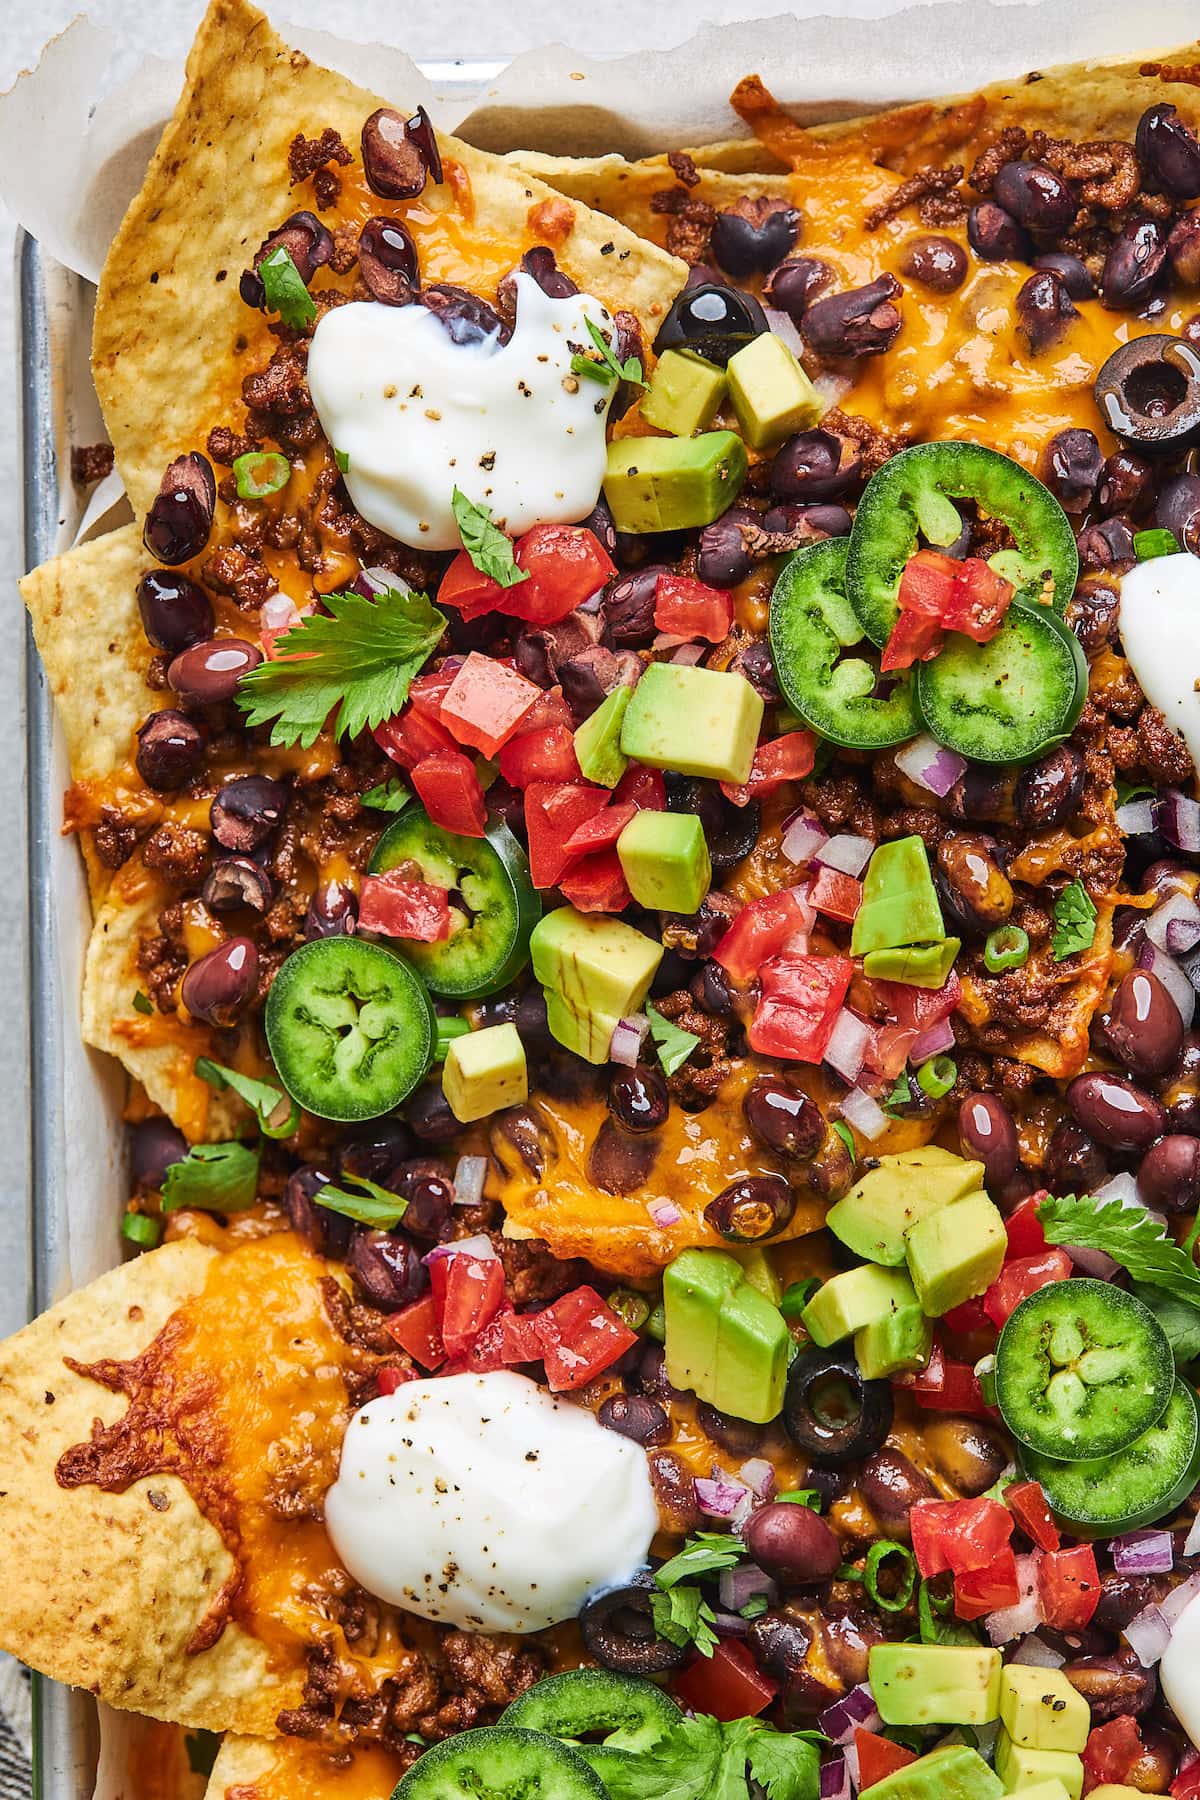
917	187
689	222
177	852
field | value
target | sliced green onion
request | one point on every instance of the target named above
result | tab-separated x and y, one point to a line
903	1567
937	1076
342	459
447	1030
594	371
1149	544
142	1003
142	1229
985	1374
809	1497
259	473
847	1137
1006	948
656	1324
631	1306
370	1205
797	1296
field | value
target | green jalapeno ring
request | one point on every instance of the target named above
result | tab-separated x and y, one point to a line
1006	948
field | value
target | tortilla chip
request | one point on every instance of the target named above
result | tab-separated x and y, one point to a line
624	190
171	330
294	1769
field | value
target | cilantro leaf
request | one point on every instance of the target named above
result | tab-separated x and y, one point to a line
703	1554
1074	921
342	459
265	1100
1132	790
1127	1234
681	1765
142	1003
608	369
674	1045
683	1616
361	660
936	1621
786	1765
390	796
212	1178
1178	1318
487	546
373	1205
285	290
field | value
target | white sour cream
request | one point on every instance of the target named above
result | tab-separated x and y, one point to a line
1179	1670
484	1502
1160	633
415	415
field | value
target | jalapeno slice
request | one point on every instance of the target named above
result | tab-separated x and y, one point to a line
501	1762
912	497
350	1028
1146	1481
493	903
626	1713
811	624
1082	1369
1011	699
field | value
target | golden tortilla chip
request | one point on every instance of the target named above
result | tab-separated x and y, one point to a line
172	334
624	190
295	1769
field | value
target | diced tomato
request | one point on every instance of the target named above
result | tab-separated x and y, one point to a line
913	639
410	737
728	1684
1069	1585
981	1591
486	702
1024	1228
787	758
468	590
601	831
691	608
643	788
939	593
961	1535
1021	1276
949	1386
1027	1504
470	1292
978	601
426	693
566	565
547	755
927	583
1186	1785
519	1341
597	884
919	1008
400	907
967	1318
878	1757
1110	1752
553	811
449	790
388	1380
486	1354
799	1001
762	929
580	1335
836	894
415	1329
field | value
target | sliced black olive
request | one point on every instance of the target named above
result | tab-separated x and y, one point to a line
1149	393
712	320
831	1412
618	1630
730	831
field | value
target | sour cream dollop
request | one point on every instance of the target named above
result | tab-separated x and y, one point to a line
1179	1670
414	415
484	1502
1160	634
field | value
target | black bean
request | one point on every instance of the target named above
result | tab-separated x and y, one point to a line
210	671
540	263
722	559
1044	309
1178	510
780	1642
426	1185
1122	1597
387	260
181	515
1092	613
154	1145
386	1268
861	322
938	263
638	1098
792	1543
1035	196
986	1132
307	242
637	1417
1107	545
752	236
757	664
619	1162
235	881
1143	1028
1127	484
332	911
176	612
784	1117
466	318
674	1492
1168	151
1114	1685
891	1486
979	892
170	750
428	1113
1074	273
1183	249
246	811
711	991
739	1436
994	234
752	1208
1169	1176
329	1232
969	1455
376	1150
1075	1163
1049	793
395	160
1133	264
220	984
1072	464
815	465
794	285
1117	1113
627	609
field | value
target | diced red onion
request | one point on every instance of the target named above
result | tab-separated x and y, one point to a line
625	1045
1175	925
470	1173
930	764
1172	977
1148	1634
688	655
1143	1553
1035	1653
832	389
759	1476
934	1042
727	1624
855	1711
665	1213
846	852
847	1047
835	1779
592	603
1009	1622
866	1115
1120	1187
1179	1599
739	1586
480	1247
803	836
1093	1262
1136	818
277	613
853	1772
1178	819
379	580
717	1496
671	640
1191	1544
783	328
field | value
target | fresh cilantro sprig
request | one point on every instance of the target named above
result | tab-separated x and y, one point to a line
390	796
674	1045
284	288
487	546
683	1616
608	369
212	1178
701	1755
360	659
266	1101
372	1205
1074	921
1127	1234
705	1554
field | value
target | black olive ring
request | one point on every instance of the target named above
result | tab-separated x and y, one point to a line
831	1412
618	1630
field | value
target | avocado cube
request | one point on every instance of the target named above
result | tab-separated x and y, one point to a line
955	1253
1054	1790
665	859
1020	1768
1040	1710
771	394
671	484
685	393
873	1217
753	1346
598	740
920	965
1107	1790
955	1772
695	1286
935	1684
756	1267
697	721
484	1072
855	1298
900	903
893	1345
594	971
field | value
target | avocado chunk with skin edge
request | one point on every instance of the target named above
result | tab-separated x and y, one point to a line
598	740
848	1302
900	903
724	1339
